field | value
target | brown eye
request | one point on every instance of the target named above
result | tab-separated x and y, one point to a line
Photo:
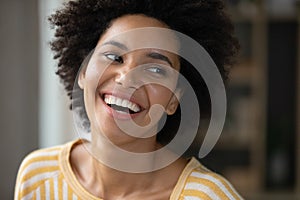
156	69
114	57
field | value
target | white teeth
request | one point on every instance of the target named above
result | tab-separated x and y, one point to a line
124	103
107	100
121	102
118	102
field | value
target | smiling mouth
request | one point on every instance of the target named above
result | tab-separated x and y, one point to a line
120	105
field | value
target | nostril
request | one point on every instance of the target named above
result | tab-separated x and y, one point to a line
127	81
120	79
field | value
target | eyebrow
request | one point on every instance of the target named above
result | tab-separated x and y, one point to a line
160	57
117	44
153	55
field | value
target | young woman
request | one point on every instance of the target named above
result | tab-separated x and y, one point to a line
121	65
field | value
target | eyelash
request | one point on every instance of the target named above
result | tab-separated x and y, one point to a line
156	69
114	57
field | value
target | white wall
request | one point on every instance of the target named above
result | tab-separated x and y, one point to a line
55	119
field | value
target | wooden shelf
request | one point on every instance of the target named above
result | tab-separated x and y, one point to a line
246	125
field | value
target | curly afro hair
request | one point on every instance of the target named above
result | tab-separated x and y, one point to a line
80	24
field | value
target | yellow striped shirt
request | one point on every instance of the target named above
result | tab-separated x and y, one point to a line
46	174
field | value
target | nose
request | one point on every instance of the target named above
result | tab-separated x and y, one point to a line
128	76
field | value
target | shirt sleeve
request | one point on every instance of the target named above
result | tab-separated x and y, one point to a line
34	170
204	184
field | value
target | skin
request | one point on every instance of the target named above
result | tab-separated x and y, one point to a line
120	78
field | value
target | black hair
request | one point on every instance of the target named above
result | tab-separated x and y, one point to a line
80	24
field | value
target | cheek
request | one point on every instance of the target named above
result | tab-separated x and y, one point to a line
96	74
91	78
159	95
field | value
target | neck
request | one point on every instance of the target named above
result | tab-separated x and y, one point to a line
118	170
113	183
108	183
125	153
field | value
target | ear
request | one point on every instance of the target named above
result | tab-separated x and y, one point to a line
174	101
81	78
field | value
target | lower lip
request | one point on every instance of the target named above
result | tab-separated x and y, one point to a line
117	115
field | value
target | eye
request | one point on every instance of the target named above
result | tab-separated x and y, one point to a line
156	69
114	57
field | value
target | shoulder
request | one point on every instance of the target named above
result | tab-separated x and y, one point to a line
205	184
35	162
36	168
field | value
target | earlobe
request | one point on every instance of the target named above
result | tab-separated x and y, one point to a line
174	102
81	79
172	107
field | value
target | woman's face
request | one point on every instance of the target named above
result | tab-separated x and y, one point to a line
128	88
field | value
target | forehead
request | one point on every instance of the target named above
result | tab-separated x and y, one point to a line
140	32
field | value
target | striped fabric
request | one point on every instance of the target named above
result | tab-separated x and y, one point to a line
46	174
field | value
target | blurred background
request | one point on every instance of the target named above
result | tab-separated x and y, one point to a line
259	148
